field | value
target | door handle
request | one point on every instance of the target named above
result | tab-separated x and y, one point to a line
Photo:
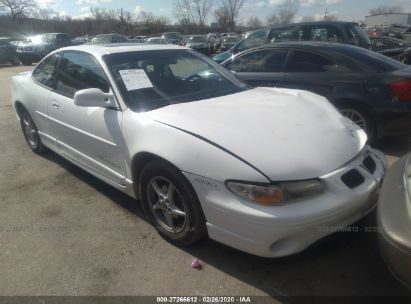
55	104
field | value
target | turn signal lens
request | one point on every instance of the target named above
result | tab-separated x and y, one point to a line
263	195
272	195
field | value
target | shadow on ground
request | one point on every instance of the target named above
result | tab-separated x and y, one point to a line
340	265
396	146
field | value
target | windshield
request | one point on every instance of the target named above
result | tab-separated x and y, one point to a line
255	39
103	39
153	79
358	36
39	39
230	40
172	35
197	39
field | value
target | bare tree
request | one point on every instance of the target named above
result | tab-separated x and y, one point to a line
285	13
254	23
386	10
18	8
147	18
183	11
192	12
222	19
231	9
201	9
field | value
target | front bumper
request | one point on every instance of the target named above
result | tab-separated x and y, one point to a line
291	228
394	221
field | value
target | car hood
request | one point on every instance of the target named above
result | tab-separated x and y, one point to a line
285	134
24	44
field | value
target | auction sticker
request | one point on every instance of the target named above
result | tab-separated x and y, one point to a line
135	79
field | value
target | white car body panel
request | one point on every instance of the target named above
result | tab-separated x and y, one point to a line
287	134
262	135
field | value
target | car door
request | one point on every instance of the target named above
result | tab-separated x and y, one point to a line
43	77
262	67
322	74
90	136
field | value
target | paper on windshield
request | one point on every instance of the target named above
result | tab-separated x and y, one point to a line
135	79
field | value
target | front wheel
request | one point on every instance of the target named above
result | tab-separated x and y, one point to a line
30	132
171	204
360	118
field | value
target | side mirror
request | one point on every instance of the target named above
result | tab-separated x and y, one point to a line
94	98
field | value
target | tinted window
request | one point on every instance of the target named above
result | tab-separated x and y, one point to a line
260	61
326	34
284	34
44	72
255	39
357	36
78	72
307	62
168	77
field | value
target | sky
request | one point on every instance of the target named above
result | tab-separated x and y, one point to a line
347	10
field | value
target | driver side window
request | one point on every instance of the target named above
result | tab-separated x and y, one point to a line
44	73
77	72
268	61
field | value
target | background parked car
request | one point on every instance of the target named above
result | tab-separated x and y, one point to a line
228	42
326	31
34	48
157	40
200	44
394	220
81	40
391	47
371	89
109	38
173	37
8	51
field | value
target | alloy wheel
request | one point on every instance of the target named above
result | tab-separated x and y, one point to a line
167	205
30	130
356	117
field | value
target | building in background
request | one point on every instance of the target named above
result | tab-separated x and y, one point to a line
389	19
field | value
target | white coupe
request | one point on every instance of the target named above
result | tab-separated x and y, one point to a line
264	170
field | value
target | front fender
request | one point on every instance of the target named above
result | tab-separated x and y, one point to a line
187	152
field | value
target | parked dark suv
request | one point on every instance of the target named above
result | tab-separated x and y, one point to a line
37	47
8	51
326	31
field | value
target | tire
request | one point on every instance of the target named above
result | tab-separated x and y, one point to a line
361	118
30	132
26	62
15	61
165	209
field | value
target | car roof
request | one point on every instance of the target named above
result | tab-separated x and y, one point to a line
100	50
307	44
313	23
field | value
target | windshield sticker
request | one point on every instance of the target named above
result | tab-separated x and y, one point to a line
135	79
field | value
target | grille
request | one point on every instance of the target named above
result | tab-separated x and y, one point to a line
29	48
352	179
369	164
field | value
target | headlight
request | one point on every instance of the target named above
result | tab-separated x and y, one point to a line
272	195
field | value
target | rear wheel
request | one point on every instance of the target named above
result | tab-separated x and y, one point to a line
360	118
15	60
30	132
171	204
26	62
